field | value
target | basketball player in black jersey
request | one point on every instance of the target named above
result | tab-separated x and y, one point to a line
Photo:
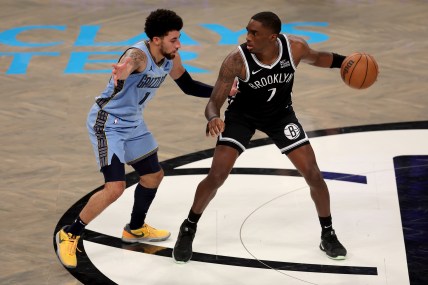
265	67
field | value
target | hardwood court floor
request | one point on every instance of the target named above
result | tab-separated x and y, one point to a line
47	159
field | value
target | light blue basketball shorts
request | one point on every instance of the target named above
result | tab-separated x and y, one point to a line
130	141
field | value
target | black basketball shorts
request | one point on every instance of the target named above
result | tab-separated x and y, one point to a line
285	131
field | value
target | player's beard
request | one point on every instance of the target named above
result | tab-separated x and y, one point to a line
170	55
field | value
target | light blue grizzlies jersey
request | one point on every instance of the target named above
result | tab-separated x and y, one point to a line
115	122
138	89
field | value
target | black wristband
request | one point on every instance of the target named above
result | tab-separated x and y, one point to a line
337	60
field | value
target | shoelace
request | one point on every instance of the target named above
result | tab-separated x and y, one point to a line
149	229
145	226
72	245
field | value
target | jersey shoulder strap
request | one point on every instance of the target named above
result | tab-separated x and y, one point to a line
248	59
286	49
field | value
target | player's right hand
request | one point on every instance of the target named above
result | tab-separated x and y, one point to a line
120	70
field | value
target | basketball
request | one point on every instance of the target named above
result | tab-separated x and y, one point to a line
359	70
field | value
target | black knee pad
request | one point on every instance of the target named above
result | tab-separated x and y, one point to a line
115	171
147	165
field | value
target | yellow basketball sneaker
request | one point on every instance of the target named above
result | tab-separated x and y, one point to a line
66	245
145	233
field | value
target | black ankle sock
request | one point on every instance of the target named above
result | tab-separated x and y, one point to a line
143	198
76	228
193	218
326	224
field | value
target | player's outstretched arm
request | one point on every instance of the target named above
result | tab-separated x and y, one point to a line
303	52
132	60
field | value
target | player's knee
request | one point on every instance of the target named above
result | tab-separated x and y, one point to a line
152	180
313	176
113	190
217	178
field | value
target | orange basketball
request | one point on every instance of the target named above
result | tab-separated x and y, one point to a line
359	70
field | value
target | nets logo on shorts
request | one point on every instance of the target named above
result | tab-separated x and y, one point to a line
292	131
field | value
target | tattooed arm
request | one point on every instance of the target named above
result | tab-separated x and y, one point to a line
132	60
232	67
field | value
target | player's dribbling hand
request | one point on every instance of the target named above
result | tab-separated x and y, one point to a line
214	127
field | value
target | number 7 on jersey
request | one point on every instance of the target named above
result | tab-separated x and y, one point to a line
272	94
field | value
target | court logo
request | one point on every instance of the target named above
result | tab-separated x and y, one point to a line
99	55
292	131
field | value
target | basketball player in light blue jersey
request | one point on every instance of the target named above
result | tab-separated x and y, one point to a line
119	134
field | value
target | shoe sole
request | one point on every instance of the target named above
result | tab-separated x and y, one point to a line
180	261
57	252
339	257
142	239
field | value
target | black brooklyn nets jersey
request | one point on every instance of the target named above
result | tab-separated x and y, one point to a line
267	89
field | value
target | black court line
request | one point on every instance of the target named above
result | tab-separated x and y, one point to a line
270	171
228	260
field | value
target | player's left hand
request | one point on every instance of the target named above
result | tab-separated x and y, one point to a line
214	127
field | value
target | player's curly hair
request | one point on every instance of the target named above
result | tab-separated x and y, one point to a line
162	21
270	20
